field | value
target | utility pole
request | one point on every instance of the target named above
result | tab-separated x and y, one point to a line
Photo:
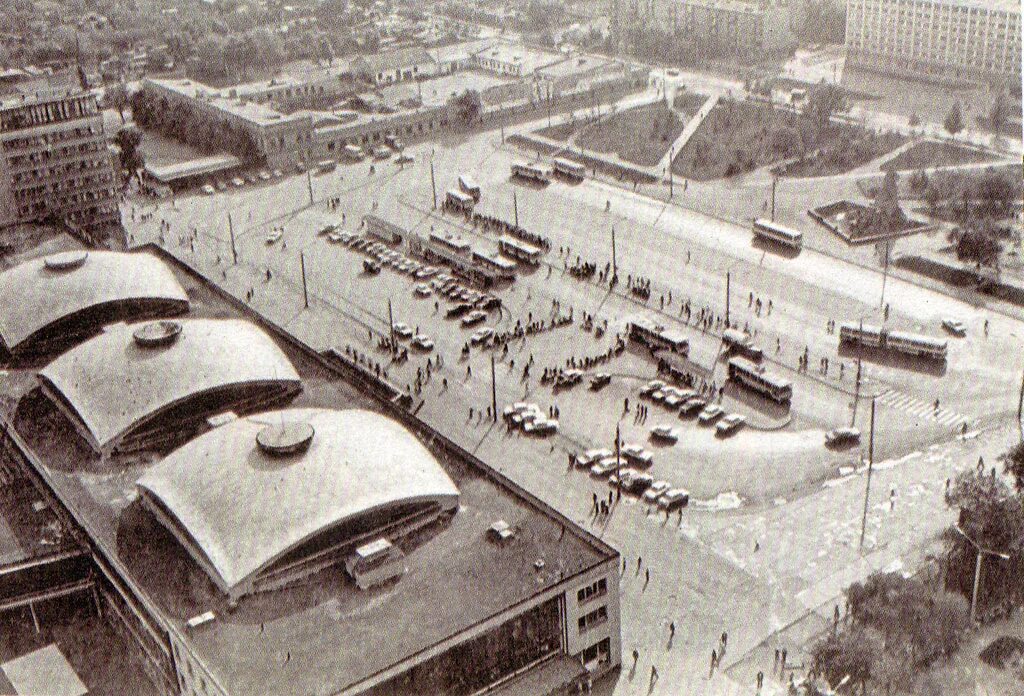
515	207
856	390
885	270
867	490
615	266
231	230
775	182
618	461
671	153
727	293
391	326
1020	403
302	263
433	187
309	185
494	392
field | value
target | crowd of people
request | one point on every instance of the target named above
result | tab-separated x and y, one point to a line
496	224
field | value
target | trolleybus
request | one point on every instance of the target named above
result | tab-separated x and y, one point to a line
457	200
898	341
469	186
780	234
755	377
656	337
570	169
520	251
532	172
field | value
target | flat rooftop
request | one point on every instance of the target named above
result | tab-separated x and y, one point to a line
323	635
530	59
576	64
260	114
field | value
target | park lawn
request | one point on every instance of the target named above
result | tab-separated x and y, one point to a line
850	147
929	153
562	132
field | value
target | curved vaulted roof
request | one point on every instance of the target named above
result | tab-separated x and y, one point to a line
114	385
242	508
35	296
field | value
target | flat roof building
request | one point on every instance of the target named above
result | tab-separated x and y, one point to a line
187	544
946	39
53	301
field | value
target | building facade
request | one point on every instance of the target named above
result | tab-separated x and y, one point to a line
728	27
937	39
54	161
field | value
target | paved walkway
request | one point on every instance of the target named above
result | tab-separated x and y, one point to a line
663	166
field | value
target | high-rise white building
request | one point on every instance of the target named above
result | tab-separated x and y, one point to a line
946	39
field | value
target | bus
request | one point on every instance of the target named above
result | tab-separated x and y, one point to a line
780	234
899	341
325	166
656	337
520	251
740	343
383	230
570	169
457	200
353	152
375	563
532	172
505	270
468	185
452	243
754	376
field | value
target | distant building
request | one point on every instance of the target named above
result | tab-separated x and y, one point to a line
950	39
515	60
745	28
395	66
54	160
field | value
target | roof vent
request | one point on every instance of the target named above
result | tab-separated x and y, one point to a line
157	333
66	260
282	439
500	532
201	619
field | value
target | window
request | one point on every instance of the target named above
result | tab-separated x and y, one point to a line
594	618
597	589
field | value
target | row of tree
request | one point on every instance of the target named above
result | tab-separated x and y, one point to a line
179	122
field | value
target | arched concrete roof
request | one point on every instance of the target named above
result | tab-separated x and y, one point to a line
35	297
113	385
241	508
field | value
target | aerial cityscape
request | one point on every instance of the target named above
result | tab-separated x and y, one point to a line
532	347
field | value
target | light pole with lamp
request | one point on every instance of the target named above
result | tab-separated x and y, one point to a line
977	568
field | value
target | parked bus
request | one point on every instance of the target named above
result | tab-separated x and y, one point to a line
740	343
452	243
862	334
383	230
375	563
506	270
656	337
520	251
570	169
326	166
457	200
533	172
353	152
780	234
754	376
899	341
468	185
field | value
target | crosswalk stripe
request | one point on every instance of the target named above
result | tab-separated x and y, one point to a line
920	408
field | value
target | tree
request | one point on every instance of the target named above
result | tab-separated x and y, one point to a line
999	114
128	139
117	97
978	244
847	653
824	101
467	105
1013	464
954	122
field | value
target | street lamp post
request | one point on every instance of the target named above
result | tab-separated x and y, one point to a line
977	568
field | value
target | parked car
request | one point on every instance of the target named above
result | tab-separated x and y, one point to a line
458	310
730	424
541	426
954	326
221	186
674	498
481	336
473	318
692	406
664	432
710	414
604	467
404	159
655	491
651	387
264	175
842	436
371	267
423	343
208	189
591	456
422	290
635	482
402	330
274	236
637	455
238	181
600	380
568	378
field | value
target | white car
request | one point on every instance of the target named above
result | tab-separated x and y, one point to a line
674	498
954	326
208	189
665	432
422	342
651	387
277	173
710	414
541	426
528	416
655	491
517	407
730	424
264	175
274	236
402	330
335	237
591	456
422	290
638	455
238	181
474	317
658	395
604	467
481	336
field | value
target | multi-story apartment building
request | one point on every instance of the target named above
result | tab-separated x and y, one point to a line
944	39
54	161
727	27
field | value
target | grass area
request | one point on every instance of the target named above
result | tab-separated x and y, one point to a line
640	135
933	154
738	137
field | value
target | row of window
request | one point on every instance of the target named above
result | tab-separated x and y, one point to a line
63	153
65	169
594	618
591	591
51	138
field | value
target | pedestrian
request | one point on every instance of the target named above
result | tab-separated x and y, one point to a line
760	680
595	502
654	674
782	660
639	562
636	656
672	630
775	665
714	663
647	575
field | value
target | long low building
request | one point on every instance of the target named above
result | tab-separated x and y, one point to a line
226	559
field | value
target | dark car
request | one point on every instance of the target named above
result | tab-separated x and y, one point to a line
458	310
